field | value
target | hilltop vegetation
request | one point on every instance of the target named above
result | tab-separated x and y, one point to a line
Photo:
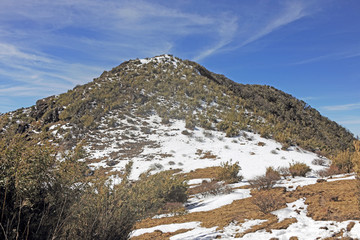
176	89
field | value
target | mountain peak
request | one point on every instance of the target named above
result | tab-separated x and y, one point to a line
175	89
164	58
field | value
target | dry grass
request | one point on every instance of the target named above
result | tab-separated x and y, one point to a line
159	235
284	224
210	172
205	154
268	201
335	201
237	211
271	224
271	220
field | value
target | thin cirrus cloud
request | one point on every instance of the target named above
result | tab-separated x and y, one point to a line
345	107
253	29
350	122
333	56
97	35
291	12
30	74
137	29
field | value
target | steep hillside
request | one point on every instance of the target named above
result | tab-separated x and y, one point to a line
176	89
162	148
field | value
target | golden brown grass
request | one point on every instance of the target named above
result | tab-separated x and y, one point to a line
159	235
335	201
210	172
238	211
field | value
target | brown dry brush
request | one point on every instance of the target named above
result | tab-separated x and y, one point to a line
268	201
355	159
43	198
299	169
266	181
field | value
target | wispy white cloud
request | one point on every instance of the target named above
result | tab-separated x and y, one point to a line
226	33
30	74
335	55
292	11
239	32
51	45
106	34
309	98
23	91
350	122
345	107
10	51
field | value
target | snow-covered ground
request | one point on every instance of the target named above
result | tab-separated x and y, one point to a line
196	204
163	147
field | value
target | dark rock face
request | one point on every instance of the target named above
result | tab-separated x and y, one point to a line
40	108
44	109
22	127
52	116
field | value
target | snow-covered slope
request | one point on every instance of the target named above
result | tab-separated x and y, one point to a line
152	144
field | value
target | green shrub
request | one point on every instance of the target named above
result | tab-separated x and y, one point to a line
299	169
229	172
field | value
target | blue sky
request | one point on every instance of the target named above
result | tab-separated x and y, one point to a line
310	49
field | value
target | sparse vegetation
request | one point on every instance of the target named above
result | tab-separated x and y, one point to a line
327	172
229	172
44	198
266	181
319	161
268	201
342	160
299	169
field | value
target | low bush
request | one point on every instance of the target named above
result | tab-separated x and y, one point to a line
266	181
327	172
343	161
299	169
272	173
268	201
319	162
229	172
